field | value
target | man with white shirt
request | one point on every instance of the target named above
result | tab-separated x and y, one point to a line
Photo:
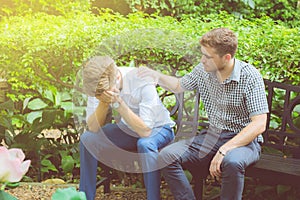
145	125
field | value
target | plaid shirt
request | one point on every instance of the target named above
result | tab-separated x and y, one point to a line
230	104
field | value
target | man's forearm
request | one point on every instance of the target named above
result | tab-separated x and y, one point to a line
97	119
133	120
247	135
170	83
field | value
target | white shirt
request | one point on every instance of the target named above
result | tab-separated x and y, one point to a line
141	97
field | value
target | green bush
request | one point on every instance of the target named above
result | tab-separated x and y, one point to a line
283	10
31	129
41	50
52	7
287	11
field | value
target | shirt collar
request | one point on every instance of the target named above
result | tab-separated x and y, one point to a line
236	72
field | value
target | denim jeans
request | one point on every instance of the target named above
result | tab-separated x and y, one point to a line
106	145
199	151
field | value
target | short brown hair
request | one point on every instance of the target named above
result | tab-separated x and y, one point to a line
99	74
223	40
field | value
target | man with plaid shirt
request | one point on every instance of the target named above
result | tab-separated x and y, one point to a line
234	97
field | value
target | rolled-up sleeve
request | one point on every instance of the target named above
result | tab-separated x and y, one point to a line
151	109
256	99
190	80
148	105
92	103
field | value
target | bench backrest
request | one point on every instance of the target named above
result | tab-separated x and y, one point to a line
185	112
282	135
283	125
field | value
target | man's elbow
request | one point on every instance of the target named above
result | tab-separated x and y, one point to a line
262	129
262	123
92	127
93	124
146	132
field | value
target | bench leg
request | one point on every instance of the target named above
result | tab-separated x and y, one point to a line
105	181
198	188
106	187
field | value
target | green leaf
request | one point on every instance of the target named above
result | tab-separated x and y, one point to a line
67	106
49	95
65	96
13	185
47	165
131	64
68	194
25	103
297	108
58	99
6	122
67	164
188	175
37	104
5	196
33	116
251	3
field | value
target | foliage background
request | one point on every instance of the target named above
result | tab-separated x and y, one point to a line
39	50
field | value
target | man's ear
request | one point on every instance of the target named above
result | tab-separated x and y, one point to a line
119	80
103	84
227	57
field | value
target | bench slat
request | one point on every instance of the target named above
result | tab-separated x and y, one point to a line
279	164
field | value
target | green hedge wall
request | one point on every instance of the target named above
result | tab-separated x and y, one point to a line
40	50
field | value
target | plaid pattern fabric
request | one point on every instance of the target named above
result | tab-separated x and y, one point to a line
230	104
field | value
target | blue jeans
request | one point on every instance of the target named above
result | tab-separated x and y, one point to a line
107	145
199	151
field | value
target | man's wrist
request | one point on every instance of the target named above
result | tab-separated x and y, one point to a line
117	103
104	103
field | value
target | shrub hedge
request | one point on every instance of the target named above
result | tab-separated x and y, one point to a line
39	50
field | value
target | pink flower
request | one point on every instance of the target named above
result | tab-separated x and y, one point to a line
12	165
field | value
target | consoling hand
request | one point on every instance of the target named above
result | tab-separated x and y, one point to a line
145	72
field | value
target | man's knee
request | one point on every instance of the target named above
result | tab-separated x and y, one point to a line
166	156
89	137
232	166
83	137
145	145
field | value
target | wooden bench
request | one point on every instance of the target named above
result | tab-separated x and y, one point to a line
280	160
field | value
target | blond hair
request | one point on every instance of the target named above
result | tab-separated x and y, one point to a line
99	74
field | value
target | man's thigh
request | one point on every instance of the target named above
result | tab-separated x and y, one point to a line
159	138
244	156
109	137
187	152
120	137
